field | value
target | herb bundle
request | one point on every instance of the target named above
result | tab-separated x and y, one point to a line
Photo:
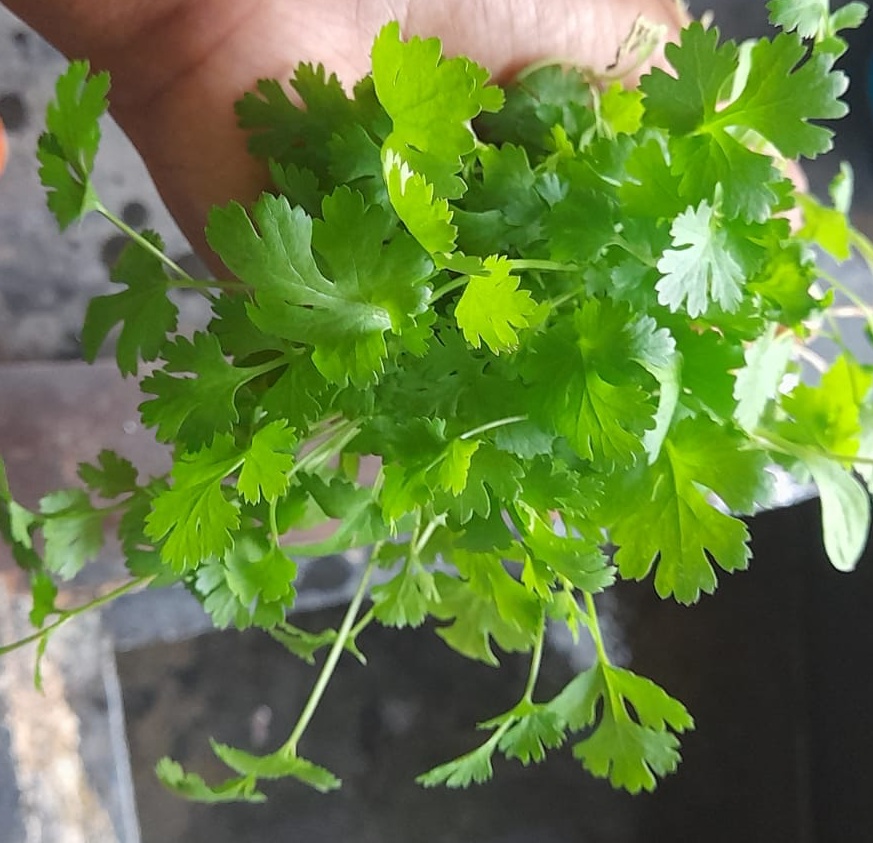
563	316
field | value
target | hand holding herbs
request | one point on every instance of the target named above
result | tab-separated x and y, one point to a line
564	315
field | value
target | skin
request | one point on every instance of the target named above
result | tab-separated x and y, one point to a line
178	65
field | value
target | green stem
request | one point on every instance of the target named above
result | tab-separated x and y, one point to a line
330	663
322	452
546	266
420	542
851	295
274	523
594	629
785	446
469	434
69	614
536	659
362	624
449	287
134	235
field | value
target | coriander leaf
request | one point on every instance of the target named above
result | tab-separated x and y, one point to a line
783	92
194	515
579	559
44	591
277	765
685	101
651	186
621	109
588	386
112	476
705	272
144	310
343	319
428	218
255	574
492	308
634	740
73	531
473	767
532	734
404	600
827	416
267	463
784	282
476	617
305	644
67	149
294	135
659	515
193	409
491	472
827	227
807	17
454	469
430	100
758	381
845	511
538	101
193	787
717	165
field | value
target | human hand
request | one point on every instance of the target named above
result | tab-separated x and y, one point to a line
179	65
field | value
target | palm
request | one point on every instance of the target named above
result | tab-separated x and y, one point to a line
178	108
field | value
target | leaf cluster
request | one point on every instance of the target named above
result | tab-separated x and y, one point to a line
556	315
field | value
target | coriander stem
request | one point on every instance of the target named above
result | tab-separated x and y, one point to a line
469	434
274	524
69	614
330	663
420	543
449	287
536	659
134	235
594	629
546	266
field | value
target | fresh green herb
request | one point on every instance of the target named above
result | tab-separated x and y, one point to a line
558	313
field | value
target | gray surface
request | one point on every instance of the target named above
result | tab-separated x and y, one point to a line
47	279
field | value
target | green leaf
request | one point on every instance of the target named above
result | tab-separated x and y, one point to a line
428	219
532	734
44	591
758	381
699	270
807	17
633	741
68	147
492	308
112	476
144	309
194	516
192	410
827	227
266	463
431	101
827	416
783	92
660	515
73	531
344	319
192	787
845	511
254	574
473	767
277	765
405	599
